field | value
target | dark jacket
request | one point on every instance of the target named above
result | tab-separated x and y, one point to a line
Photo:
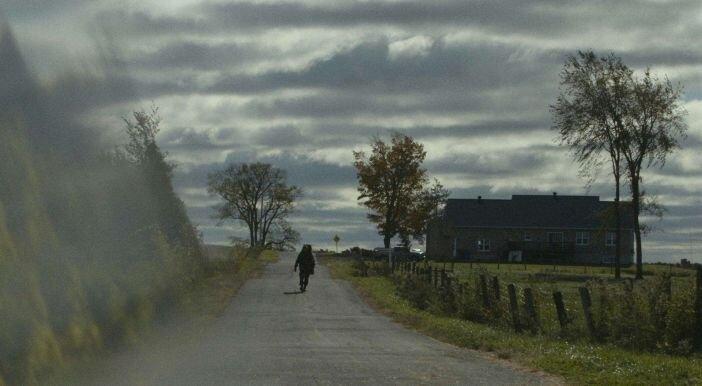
305	261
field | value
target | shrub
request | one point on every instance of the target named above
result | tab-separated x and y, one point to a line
418	292
381	268
360	267
469	305
646	316
444	301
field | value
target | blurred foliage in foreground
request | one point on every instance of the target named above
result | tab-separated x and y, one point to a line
93	244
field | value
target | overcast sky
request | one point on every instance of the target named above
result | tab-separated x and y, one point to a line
302	84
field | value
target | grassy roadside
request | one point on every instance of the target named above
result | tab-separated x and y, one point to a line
203	303
211	296
576	362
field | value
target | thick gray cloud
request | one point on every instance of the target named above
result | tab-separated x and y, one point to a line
369	67
301	84
355	103
301	170
546	17
192	55
503	166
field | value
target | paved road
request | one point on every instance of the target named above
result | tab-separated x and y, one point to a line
327	335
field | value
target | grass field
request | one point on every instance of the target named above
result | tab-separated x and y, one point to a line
544	280
563	273
578	361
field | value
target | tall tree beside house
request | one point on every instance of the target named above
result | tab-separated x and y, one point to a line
258	195
589	116
655	124
395	187
604	108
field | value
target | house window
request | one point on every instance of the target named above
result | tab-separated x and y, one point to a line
582	238
483	245
527	236
555	237
610	239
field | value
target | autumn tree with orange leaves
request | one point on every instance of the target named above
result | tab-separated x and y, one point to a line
395	187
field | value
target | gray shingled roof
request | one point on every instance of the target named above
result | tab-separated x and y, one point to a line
533	211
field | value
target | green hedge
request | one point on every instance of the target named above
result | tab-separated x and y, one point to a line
92	248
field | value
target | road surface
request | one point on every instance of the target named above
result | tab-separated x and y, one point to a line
270	335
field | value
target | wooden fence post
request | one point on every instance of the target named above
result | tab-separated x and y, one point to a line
560	309
436	277
587	310
443	278
483	291
496	288
448	291
668	286
530	307
513	307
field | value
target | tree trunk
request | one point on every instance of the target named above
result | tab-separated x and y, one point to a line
618	243
636	202
256	238
386	241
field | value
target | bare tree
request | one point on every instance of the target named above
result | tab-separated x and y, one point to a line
655	123
590	114
395	187
283	237
257	195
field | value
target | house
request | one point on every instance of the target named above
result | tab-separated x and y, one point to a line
532	228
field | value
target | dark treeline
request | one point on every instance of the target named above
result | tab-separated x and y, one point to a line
93	243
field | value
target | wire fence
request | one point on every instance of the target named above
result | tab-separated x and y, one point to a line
656	314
